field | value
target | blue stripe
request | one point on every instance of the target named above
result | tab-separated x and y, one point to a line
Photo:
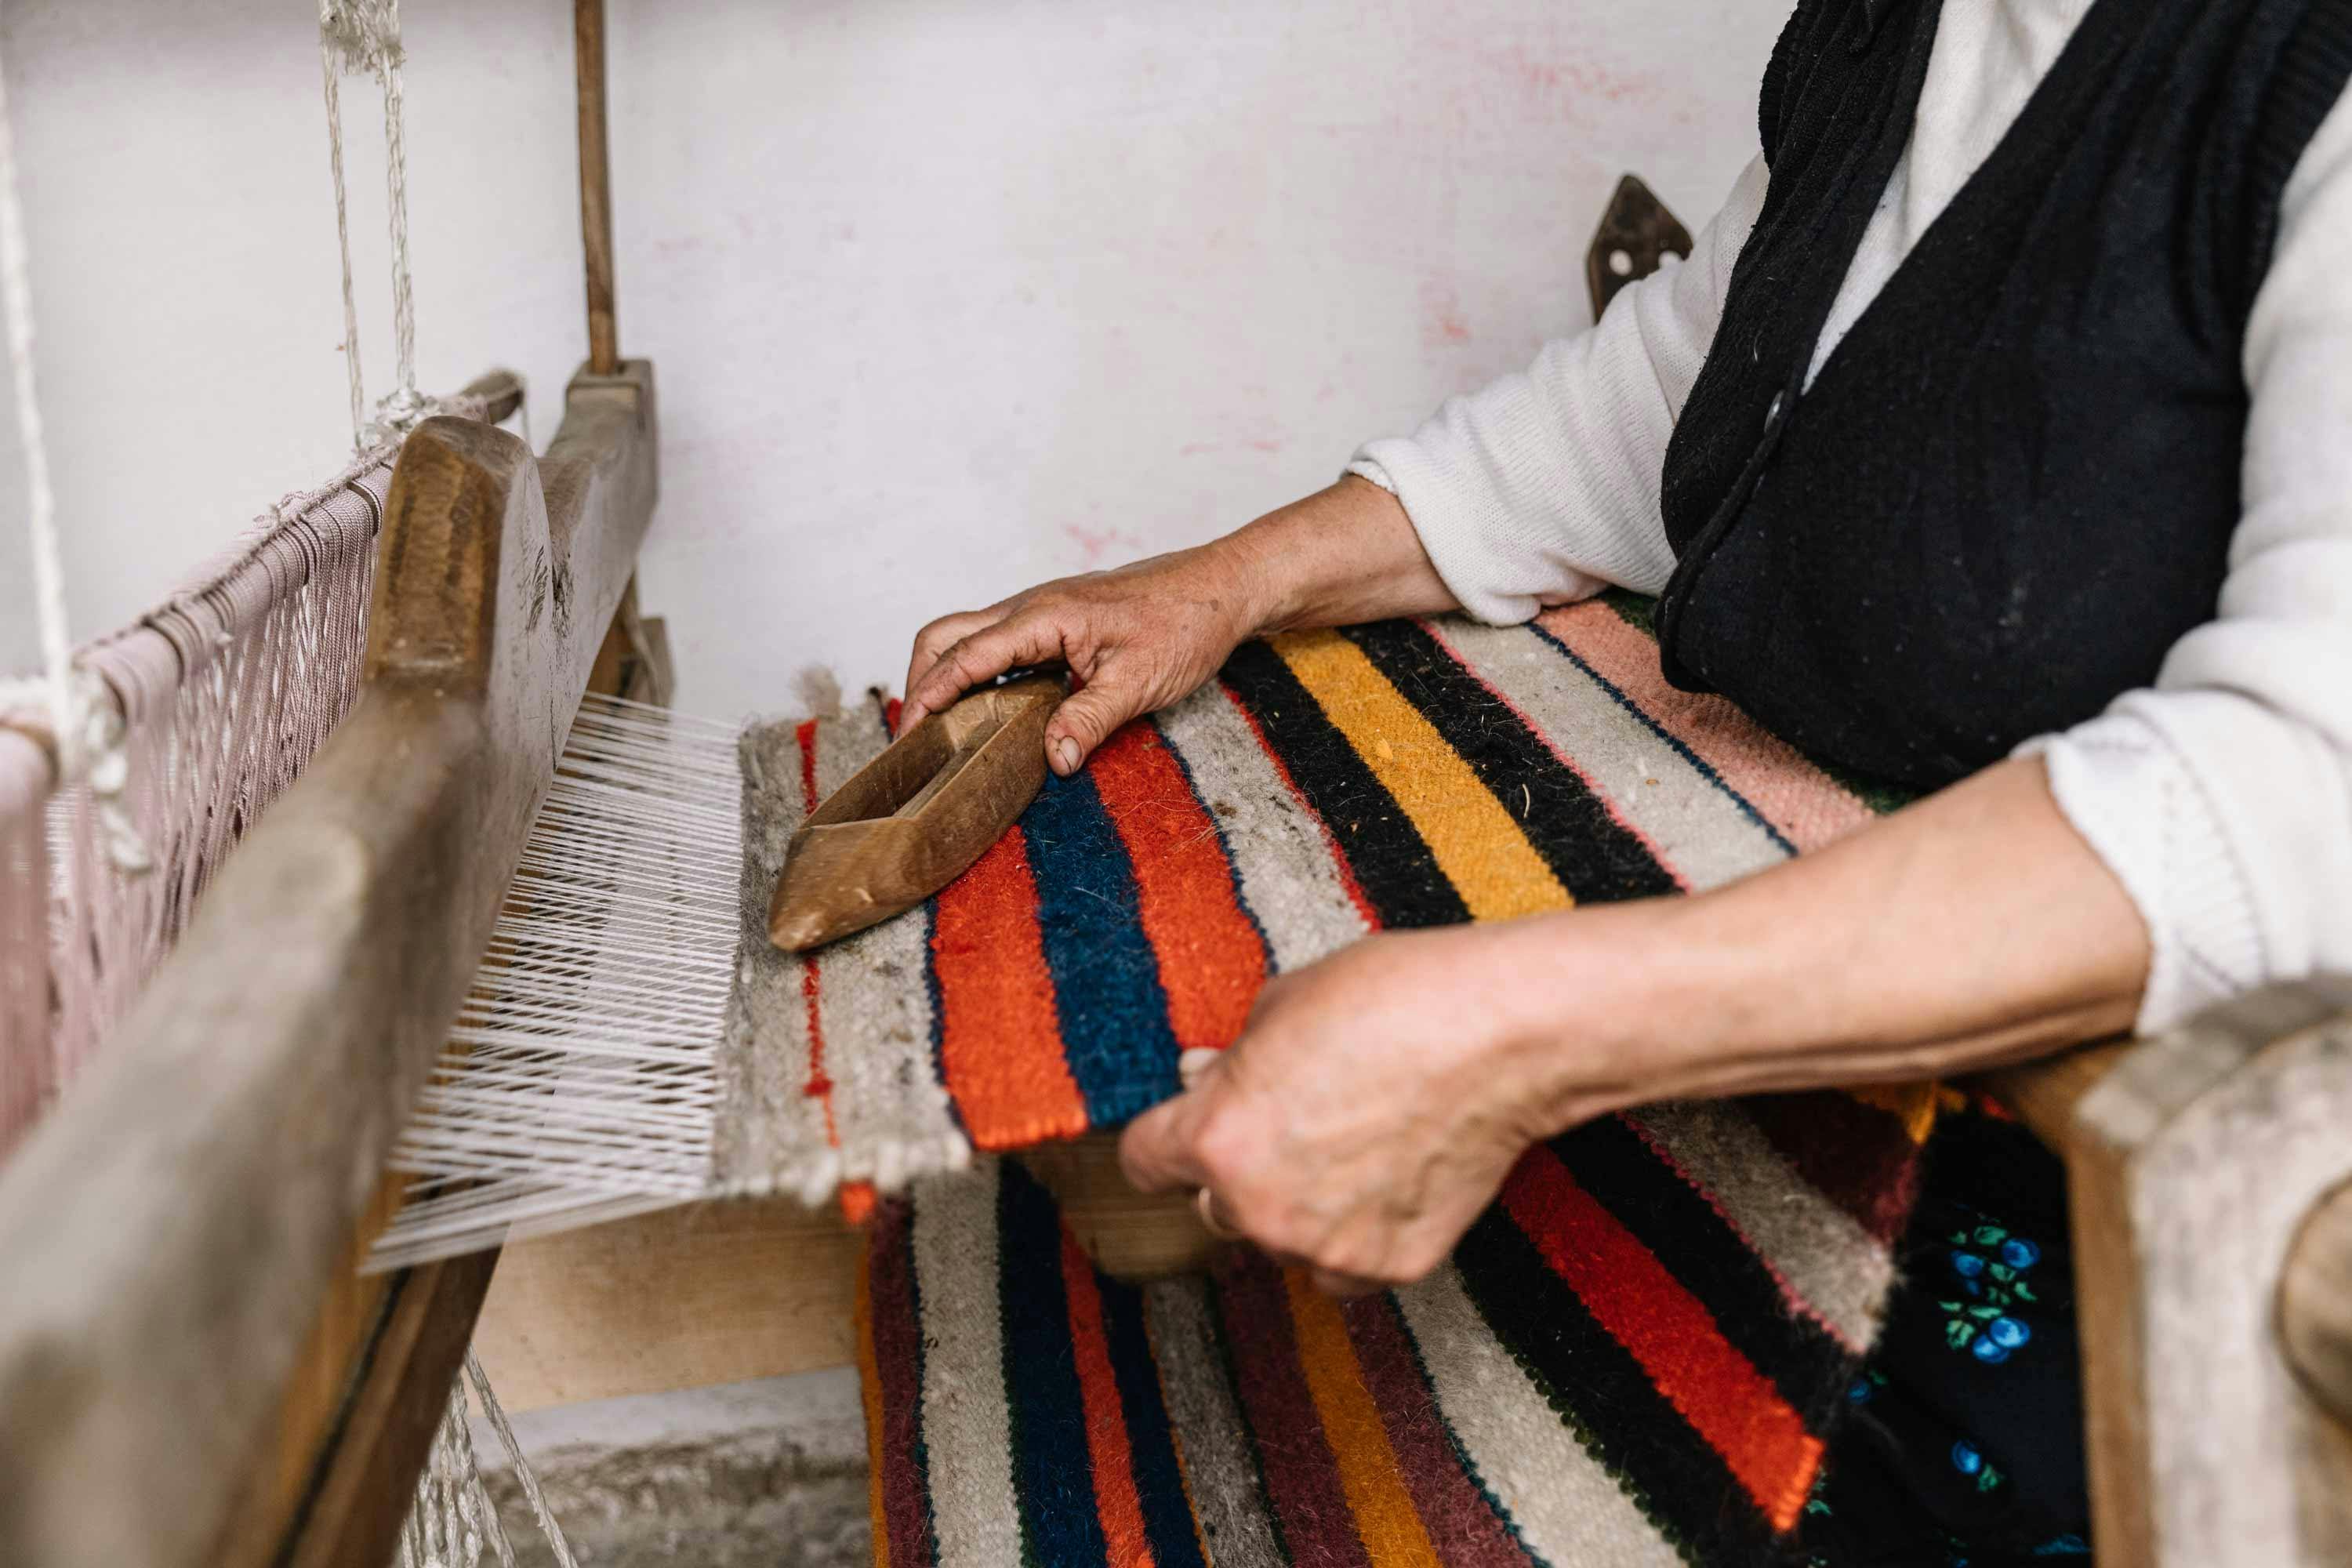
1052	1470
1107	992
1159	1480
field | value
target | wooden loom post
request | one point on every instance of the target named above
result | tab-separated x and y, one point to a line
595	185
181	1335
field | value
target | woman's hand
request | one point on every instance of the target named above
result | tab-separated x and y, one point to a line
1377	1099
1143	637
1369	1110
1138	639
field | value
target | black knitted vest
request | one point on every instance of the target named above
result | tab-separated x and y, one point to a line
2013	486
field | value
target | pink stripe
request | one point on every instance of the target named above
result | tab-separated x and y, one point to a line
1436	631
1808	806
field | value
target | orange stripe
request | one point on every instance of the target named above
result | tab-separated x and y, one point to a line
1726	1401
869	1385
1386	1520
1916	1105
1117	1502
1212	959
1000	1040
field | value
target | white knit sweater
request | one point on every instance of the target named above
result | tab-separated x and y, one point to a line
2222	797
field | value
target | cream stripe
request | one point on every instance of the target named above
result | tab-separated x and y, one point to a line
1475	843
967	1423
1833	1266
1568	1511
1696	828
767	1133
1220	1471
1288	876
889	1109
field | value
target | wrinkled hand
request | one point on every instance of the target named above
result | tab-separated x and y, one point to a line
1369	1110
1139	638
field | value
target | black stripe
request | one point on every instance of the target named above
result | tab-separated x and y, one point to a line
1393	866
1700	1249
1053	1468
1616	1412
1596	857
1150	1434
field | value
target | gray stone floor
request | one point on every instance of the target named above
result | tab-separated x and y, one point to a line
772	1473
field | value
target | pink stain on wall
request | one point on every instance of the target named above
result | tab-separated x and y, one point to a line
1443	324
1097	545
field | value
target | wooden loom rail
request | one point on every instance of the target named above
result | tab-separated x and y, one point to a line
173	1230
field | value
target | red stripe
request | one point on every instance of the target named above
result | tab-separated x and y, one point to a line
1212	959
1725	1399
1000	1039
1117	1503
819	1086
1452	1509
1302	1476
1282	771
890	1317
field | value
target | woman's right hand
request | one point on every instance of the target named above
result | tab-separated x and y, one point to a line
1145	636
1136	639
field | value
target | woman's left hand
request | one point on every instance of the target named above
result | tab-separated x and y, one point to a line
1369	1110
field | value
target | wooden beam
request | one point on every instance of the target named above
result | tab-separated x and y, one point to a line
2316	1305
595	184
174	1228
2192	1163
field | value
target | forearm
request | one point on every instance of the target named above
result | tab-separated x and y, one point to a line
1339	556
1972	929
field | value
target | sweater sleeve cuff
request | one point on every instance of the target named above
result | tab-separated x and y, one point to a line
2132	795
1461	526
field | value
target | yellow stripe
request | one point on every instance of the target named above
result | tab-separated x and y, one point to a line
869	1385
1478	845
1915	1105
1385	1518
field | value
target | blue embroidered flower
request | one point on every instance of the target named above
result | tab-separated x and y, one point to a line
1989	1265
1969	1461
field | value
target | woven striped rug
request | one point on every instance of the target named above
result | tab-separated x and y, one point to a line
1623	1364
1330	783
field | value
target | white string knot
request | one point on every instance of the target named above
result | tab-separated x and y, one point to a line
361	38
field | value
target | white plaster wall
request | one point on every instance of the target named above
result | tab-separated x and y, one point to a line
945	296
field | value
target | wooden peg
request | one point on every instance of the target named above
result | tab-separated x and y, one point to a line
914	818
1635	236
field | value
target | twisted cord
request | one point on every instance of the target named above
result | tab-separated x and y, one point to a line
343	242
83	720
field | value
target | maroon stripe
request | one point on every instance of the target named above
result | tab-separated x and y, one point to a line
1859	1157
898	1351
1302	1477
1452	1508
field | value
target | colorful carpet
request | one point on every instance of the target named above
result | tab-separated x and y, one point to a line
1621	1366
1330	783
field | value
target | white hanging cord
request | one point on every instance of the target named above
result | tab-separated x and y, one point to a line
546	1520
328	71
362	36
83	720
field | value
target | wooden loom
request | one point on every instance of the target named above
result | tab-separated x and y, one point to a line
193	1371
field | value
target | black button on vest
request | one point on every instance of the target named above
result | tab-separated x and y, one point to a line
2013	486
